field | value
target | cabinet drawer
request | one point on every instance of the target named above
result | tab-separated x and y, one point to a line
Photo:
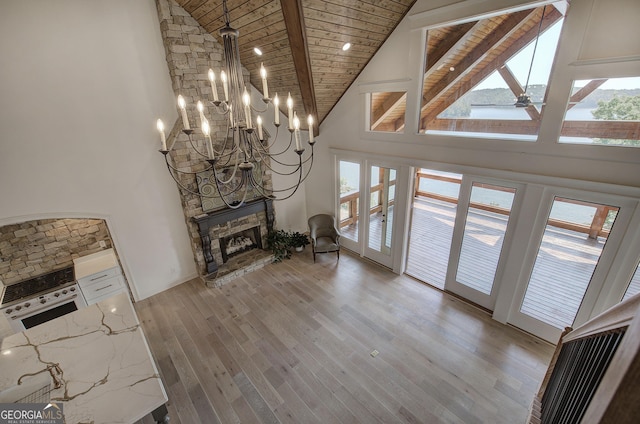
102	288
102	295
98	276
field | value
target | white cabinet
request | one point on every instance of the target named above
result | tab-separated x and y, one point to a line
99	276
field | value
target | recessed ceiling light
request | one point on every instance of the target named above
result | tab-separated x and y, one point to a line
257	51
346	46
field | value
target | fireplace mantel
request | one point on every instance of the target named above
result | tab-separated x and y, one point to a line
221	217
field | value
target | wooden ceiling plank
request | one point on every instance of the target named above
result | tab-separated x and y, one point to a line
339	28
451	44
359	22
381	5
197	11
239	15
371	14
294	21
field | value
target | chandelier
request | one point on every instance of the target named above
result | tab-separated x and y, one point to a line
237	161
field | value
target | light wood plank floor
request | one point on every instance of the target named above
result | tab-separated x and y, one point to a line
292	343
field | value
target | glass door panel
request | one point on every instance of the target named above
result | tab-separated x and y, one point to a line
349	200
484	231
485	228
634	284
574	238
381	198
433	215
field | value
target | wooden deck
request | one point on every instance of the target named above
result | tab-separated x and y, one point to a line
565	263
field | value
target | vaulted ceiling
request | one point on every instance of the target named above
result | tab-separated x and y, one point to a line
301	42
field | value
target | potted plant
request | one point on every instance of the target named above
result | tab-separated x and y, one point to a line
298	240
278	242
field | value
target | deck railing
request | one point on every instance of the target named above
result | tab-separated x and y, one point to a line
351	200
595	229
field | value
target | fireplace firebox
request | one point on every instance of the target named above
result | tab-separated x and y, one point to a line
241	242
223	220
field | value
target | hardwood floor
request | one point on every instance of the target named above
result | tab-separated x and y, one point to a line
293	343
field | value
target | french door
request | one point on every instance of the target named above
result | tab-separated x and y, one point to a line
380	200
349	203
367	205
565	274
482	230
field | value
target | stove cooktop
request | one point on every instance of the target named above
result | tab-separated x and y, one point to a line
40	284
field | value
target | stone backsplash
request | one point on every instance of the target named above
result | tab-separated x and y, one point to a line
37	247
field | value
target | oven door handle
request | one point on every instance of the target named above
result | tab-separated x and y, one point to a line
44	306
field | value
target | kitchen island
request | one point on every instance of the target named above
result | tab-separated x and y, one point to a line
94	361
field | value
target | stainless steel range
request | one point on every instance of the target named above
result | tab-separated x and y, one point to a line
40	299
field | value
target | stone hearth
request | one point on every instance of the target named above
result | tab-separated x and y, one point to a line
238	266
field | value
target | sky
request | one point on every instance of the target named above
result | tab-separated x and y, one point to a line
520	63
542	63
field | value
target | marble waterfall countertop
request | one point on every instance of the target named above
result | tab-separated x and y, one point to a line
99	357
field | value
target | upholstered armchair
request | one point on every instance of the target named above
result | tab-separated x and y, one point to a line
324	234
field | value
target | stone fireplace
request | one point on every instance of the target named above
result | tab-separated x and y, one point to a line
219	229
190	52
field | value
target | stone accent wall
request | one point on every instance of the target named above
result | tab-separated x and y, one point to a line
37	247
190	52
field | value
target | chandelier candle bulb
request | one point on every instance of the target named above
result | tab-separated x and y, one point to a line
214	89
276	105
206	130
200	108
310	123
183	112
259	121
163	139
290	111
296	132
225	86
247	108
265	88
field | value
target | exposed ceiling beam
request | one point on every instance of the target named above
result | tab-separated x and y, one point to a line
294	21
579	95
517	90
386	107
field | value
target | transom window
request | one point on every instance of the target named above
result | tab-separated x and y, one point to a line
604	111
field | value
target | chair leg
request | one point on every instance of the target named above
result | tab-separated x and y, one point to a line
314	255
338	252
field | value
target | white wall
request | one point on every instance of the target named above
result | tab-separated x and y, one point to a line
81	85
397	66
291	214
